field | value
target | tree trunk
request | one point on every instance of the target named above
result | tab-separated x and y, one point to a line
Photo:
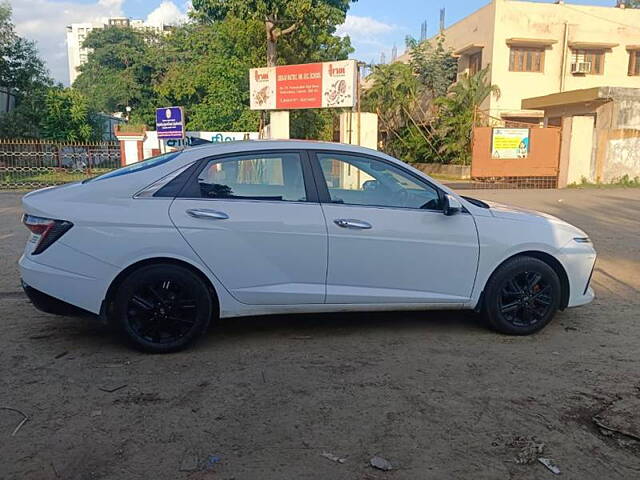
272	52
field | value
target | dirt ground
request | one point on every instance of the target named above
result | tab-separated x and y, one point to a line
436	394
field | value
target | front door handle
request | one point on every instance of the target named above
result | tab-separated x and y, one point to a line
352	223
207	214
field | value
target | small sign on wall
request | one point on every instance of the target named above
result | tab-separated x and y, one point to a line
510	143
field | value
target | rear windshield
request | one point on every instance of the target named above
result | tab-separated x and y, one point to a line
136	167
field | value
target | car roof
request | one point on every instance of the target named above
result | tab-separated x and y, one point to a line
251	145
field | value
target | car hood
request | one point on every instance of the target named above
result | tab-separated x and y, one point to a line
526	215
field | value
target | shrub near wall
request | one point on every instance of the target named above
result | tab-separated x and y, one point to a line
456	171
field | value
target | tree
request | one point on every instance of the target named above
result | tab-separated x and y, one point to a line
312	19
632	3
122	70
392	95
457	113
208	73
435	65
403	97
23	75
67	117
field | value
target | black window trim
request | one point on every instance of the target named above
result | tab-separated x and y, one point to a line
311	191
323	189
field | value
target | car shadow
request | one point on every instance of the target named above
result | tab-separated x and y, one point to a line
326	324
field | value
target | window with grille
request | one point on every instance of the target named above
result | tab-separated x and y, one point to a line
634	63
594	57
475	63
526	59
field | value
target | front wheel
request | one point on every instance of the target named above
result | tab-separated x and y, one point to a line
522	296
162	308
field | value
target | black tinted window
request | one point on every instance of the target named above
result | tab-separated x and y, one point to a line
276	176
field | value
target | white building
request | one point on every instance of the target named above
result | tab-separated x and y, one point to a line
77	33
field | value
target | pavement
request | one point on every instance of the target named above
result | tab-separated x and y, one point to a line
435	394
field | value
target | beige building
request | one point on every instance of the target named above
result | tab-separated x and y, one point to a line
536	49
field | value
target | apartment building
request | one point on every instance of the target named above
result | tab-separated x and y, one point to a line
535	49
77	33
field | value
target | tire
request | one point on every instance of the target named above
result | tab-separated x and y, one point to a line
162	308
522	296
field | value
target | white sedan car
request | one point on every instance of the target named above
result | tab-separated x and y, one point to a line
161	247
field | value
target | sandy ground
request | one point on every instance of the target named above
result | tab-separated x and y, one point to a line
436	394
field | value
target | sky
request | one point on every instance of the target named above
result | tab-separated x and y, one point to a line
374	26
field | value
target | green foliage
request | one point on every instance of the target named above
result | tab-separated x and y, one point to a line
435	66
308	25
23	74
67	117
393	94
312	124
632	3
457	113
424	116
122	71
208	73
204	65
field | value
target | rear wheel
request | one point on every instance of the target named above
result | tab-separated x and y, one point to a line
163	308
522	296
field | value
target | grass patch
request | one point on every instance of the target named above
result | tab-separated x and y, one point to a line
625	182
447	178
21	180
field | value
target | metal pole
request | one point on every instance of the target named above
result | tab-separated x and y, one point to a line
563	70
359	92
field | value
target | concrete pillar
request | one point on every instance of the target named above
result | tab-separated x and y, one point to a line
279	125
131	145
565	151
359	129
579	167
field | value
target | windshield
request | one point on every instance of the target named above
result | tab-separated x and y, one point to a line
137	167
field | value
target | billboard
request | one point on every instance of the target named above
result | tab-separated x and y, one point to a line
308	85
170	122
510	143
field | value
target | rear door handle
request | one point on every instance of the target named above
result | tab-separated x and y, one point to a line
352	223
207	214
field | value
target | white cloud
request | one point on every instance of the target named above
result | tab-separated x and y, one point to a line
363	28
370	37
167	13
45	20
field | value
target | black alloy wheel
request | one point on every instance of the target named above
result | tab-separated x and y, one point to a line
522	296
525	299
163	308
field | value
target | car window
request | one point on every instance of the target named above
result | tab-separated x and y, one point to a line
359	180
256	177
137	167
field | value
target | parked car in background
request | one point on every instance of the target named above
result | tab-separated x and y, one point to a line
163	247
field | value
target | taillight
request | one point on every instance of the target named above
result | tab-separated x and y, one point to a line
45	230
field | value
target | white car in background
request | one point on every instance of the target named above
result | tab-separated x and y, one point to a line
163	247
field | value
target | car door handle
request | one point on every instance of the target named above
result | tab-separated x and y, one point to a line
352	223
207	214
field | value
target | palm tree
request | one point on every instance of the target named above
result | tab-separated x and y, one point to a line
392	94
457	114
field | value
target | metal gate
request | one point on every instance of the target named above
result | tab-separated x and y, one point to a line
27	164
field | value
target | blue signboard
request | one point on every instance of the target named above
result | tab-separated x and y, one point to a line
170	122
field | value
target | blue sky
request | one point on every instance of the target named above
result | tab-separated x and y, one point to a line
373	25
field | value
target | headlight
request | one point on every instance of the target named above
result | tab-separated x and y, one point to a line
582	239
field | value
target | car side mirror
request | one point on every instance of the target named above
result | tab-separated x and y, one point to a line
451	205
